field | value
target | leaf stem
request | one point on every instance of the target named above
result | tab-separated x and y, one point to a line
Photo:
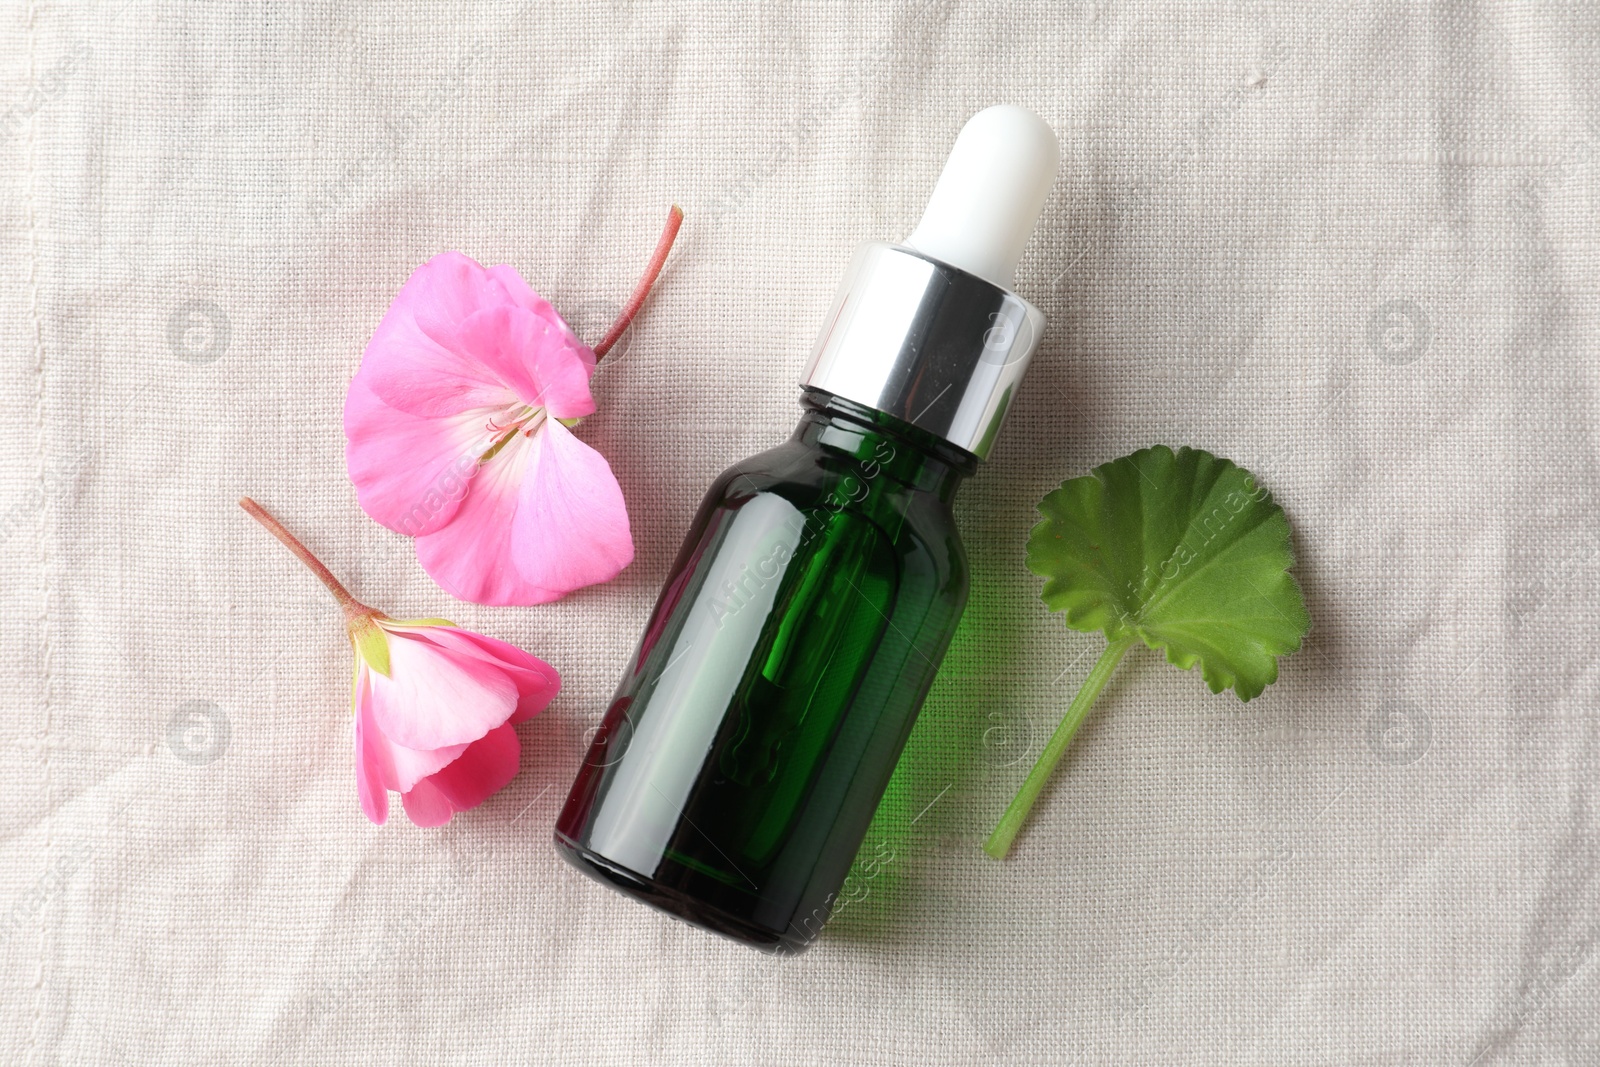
652	270
1016	813
353	608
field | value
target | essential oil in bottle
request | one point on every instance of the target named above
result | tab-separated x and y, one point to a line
734	775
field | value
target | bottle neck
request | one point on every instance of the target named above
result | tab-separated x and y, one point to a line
903	453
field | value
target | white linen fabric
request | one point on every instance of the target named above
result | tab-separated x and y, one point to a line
1354	248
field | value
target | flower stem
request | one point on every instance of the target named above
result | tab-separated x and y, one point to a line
352	607
658	259
1016	814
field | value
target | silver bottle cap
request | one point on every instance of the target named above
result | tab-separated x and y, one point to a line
926	342
929	331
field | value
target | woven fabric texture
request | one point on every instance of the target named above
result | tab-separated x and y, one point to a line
1354	248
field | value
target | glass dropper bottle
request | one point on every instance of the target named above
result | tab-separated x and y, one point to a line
734	775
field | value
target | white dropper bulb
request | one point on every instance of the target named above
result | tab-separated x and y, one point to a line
990	194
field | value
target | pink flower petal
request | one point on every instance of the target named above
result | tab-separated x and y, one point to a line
487	766
570	528
445	290
410	473
537	682
426	804
435	698
385	765
538	358
369	758
415	361
522	295
471	557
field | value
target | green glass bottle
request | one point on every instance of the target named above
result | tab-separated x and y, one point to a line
735	773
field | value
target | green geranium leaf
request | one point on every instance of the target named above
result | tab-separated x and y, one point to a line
1181	551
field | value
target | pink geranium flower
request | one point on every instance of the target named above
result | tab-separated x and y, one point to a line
458	434
434	708
434	704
